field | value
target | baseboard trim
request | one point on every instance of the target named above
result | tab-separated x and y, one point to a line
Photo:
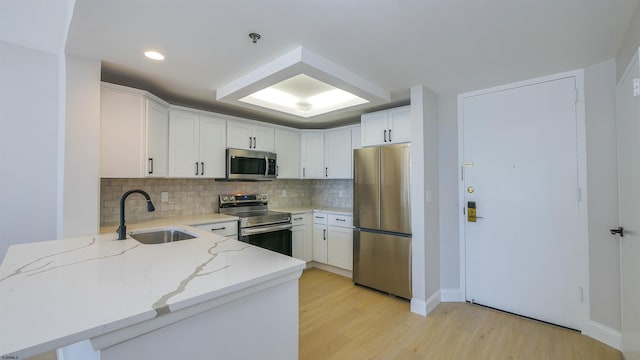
331	269
604	334
451	295
422	307
418	307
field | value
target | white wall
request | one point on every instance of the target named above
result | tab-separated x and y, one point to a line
602	192
81	211
29	107
630	44
425	200
449	211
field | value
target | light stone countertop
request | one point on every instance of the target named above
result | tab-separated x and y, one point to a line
332	210
171	221
56	293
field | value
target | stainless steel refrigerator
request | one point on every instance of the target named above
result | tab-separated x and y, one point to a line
382	219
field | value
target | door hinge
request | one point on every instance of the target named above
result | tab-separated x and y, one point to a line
636	87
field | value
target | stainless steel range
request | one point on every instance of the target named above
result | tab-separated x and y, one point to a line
258	225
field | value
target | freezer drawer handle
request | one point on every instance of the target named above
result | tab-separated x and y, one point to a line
218	229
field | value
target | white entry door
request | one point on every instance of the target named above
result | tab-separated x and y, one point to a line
628	123
525	253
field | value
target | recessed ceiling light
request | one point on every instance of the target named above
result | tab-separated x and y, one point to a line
303	84
154	55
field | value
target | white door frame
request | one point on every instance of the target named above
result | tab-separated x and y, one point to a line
583	229
623	340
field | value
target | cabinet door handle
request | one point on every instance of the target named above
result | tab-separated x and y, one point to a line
324	234
277	170
343	220
202	168
217	229
385	135
300	218
326	172
303	172
197	169
389	135
319	217
255	143
150	165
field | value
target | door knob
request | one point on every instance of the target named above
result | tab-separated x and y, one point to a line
618	231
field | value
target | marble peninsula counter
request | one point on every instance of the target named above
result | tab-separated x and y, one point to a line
195	299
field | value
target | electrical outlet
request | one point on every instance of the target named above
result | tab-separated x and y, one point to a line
164	196
284	193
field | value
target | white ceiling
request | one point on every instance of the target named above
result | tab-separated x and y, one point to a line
451	46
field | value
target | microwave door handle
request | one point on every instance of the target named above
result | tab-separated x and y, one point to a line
266	166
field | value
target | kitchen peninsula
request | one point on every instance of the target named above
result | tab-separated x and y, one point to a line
203	298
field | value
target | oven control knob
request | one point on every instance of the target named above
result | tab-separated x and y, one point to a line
224	198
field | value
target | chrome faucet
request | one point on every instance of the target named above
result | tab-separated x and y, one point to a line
122	229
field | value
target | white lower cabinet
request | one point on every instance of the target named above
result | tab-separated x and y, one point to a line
228	229
333	239
320	237
340	247
301	237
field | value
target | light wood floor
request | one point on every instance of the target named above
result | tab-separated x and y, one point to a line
339	320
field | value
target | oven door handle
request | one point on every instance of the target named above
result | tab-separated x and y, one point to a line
265	229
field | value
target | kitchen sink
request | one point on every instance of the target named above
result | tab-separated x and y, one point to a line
161	236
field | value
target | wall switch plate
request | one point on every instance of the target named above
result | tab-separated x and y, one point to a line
164	196
284	193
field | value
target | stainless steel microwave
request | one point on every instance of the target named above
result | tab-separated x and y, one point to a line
250	165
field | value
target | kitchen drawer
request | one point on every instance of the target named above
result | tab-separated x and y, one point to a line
229	228
319	218
341	220
300	219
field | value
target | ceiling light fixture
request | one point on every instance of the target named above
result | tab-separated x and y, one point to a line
154	55
302	84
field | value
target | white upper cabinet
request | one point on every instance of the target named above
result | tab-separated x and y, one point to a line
385	127
249	136
327	154
213	143
312	146
287	147
337	154
356	137
133	134
196	145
